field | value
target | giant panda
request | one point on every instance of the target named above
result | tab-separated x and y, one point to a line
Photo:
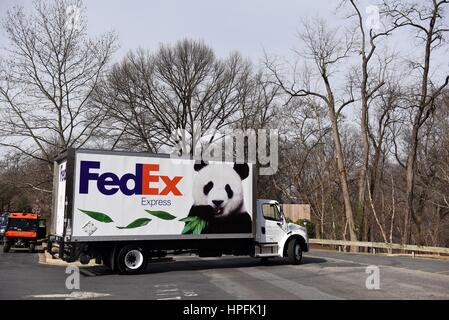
218	198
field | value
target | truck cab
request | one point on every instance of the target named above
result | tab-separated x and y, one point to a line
22	231
275	237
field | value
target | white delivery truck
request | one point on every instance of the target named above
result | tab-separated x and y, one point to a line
124	208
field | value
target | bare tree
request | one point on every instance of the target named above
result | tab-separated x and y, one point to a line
157	99
426	19
259	102
47	78
370	82
303	129
326	50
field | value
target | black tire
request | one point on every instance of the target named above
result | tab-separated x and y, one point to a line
6	247
294	251
32	247
132	259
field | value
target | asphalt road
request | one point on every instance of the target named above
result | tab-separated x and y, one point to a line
323	275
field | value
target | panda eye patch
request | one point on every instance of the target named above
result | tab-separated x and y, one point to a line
229	191
208	187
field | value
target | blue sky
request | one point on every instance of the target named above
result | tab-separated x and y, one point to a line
226	25
248	26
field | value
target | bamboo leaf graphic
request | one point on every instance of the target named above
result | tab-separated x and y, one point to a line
187	228
193	224
136	223
187	219
199	227
161	214
99	216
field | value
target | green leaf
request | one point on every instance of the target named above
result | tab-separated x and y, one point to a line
194	224
97	216
201	226
187	219
161	214
198	228
188	227
136	223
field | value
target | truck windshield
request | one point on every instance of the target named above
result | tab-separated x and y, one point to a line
22	224
271	212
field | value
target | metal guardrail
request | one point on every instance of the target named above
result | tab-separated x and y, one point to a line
380	245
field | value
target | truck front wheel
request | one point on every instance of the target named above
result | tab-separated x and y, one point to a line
294	251
132	259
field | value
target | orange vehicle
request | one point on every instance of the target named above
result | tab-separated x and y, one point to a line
22	231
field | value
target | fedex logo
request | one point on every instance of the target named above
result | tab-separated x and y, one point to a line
109	183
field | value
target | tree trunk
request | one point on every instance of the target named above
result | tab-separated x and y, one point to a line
410	178
342	174
360	213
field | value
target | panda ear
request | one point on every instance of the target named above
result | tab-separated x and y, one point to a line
200	165
242	169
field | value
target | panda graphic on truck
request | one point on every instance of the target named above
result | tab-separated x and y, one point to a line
218	198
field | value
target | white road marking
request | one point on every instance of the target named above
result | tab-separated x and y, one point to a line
167	291
74	295
173	292
190	293
165	285
172	298
170	290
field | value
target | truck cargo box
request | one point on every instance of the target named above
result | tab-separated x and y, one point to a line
104	195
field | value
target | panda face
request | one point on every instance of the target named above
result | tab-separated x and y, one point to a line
219	186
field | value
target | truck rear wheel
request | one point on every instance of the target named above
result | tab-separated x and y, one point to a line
6	247
294	251
132	259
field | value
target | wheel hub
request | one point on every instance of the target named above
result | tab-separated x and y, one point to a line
133	259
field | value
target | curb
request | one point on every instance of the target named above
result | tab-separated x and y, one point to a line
46	258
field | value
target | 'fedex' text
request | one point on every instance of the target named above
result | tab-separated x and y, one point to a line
109	183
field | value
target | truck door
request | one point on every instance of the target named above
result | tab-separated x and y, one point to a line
273	226
59	198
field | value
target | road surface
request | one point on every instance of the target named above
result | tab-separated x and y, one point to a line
323	275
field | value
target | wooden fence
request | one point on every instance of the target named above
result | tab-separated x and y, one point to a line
379	245
296	211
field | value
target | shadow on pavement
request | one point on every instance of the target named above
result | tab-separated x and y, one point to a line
203	264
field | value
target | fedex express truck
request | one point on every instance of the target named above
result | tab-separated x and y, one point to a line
124	208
